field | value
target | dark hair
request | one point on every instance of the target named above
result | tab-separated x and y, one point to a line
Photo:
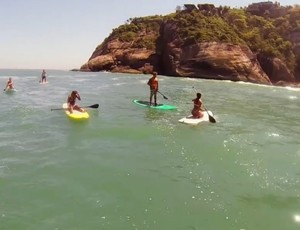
199	95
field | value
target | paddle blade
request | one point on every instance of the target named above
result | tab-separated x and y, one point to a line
211	119
163	95
95	106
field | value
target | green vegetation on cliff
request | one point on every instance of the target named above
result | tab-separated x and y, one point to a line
142	32
237	26
265	34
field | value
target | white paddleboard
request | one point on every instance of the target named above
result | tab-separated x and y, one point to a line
10	91
195	121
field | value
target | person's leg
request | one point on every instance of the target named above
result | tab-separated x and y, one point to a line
70	109
76	107
195	113
155	99
200	114
151	95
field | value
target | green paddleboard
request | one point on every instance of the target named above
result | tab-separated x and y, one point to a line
159	106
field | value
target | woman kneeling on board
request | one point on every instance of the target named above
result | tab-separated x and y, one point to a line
196	111
72	102
9	84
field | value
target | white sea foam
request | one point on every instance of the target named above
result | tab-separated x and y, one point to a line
292	88
293	97
273	135
296	218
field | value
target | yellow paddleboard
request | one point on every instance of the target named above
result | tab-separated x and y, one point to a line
76	115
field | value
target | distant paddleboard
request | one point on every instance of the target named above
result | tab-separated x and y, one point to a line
44	82
195	121
10	91
158	106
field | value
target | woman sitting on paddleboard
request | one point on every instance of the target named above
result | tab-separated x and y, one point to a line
72	102
196	111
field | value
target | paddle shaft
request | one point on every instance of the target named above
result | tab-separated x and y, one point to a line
162	95
95	106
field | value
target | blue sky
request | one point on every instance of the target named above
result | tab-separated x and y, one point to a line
62	34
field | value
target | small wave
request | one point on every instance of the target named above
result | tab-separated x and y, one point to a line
296	218
79	80
192	79
293	97
143	81
120	83
292	88
273	135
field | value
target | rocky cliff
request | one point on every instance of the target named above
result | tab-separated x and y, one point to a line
162	44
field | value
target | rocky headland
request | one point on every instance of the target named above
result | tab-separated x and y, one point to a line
258	44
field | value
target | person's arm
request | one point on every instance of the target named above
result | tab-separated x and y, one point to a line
201	105
78	96
6	87
10	84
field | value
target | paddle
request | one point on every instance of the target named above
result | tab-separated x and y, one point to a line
7	88
95	106
210	117
162	95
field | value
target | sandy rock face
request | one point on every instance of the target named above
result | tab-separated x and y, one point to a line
215	61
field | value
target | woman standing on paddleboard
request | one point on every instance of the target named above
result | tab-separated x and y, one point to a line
196	111
72	102
153	83
43	75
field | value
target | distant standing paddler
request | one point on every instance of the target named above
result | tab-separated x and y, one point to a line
44	76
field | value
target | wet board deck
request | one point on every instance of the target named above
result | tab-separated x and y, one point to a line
195	121
10	91
76	115
159	106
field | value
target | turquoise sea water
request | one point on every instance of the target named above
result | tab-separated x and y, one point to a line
131	167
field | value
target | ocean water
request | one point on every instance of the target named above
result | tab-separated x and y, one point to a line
130	167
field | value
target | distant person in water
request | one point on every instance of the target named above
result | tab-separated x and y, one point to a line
9	84
153	83
72	102
44	76
196	111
